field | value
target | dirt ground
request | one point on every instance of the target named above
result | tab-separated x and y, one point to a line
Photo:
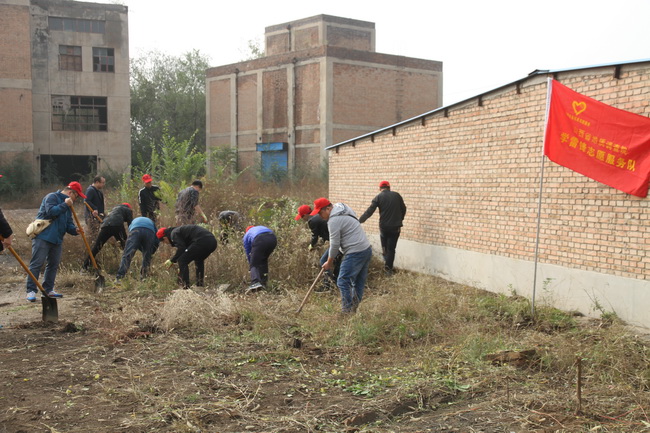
79	375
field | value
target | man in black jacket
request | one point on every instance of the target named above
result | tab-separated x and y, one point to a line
5	231
391	214
112	227
149	198
95	198
193	244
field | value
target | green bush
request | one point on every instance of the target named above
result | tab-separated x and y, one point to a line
18	177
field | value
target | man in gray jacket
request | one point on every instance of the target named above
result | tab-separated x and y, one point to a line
347	235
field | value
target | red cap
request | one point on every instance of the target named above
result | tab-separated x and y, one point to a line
320	203
161	232
147	178
302	211
76	187
384	184
127	205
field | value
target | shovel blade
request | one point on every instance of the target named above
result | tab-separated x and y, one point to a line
100	283
50	310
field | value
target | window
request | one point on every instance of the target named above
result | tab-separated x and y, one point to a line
79	113
69	58
76	25
103	59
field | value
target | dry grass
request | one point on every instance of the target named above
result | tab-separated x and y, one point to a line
188	310
416	337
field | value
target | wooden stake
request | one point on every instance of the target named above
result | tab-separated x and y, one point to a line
579	385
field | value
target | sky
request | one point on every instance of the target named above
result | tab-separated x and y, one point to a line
482	44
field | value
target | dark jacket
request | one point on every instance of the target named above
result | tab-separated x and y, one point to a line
119	215
182	237
318	227
149	201
391	209
53	208
95	198
187	200
5	229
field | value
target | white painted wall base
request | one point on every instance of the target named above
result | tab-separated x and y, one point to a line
563	288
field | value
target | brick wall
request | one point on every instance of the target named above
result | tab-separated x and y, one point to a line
368	95
471	179
275	99
308	94
15	74
16	115
14	45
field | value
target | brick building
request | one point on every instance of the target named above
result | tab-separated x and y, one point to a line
320	82
64	86
470	176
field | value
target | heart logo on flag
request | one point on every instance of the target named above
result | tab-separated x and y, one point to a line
579	107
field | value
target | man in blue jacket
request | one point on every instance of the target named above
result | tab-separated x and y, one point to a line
142	237
47	246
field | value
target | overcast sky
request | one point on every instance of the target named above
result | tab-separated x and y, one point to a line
482	44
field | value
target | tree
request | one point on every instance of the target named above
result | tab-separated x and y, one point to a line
177	161
167	89
253	50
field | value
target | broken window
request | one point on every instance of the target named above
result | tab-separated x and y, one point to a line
79	113
69	58
103	59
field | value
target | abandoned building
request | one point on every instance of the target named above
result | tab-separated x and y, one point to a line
320	82
64	87
470	176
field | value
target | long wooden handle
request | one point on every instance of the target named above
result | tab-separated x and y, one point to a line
83	235
310	290
92	210
31	275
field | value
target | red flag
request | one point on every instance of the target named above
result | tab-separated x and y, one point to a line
609	145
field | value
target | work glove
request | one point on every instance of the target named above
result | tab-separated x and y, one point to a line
168	264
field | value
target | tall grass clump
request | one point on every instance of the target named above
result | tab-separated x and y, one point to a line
17	178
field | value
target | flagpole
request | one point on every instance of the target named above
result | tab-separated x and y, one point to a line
539	203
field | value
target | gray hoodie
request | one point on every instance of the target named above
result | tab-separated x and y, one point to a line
345	231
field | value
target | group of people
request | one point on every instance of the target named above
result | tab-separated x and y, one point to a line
193	243
348	256
345	261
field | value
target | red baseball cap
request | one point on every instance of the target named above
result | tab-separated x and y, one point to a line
302	211
161	232
76	187
128	205
384	184
147	178
320	203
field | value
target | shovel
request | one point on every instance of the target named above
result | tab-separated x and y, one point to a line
320	274
100	282
50	309
92	210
